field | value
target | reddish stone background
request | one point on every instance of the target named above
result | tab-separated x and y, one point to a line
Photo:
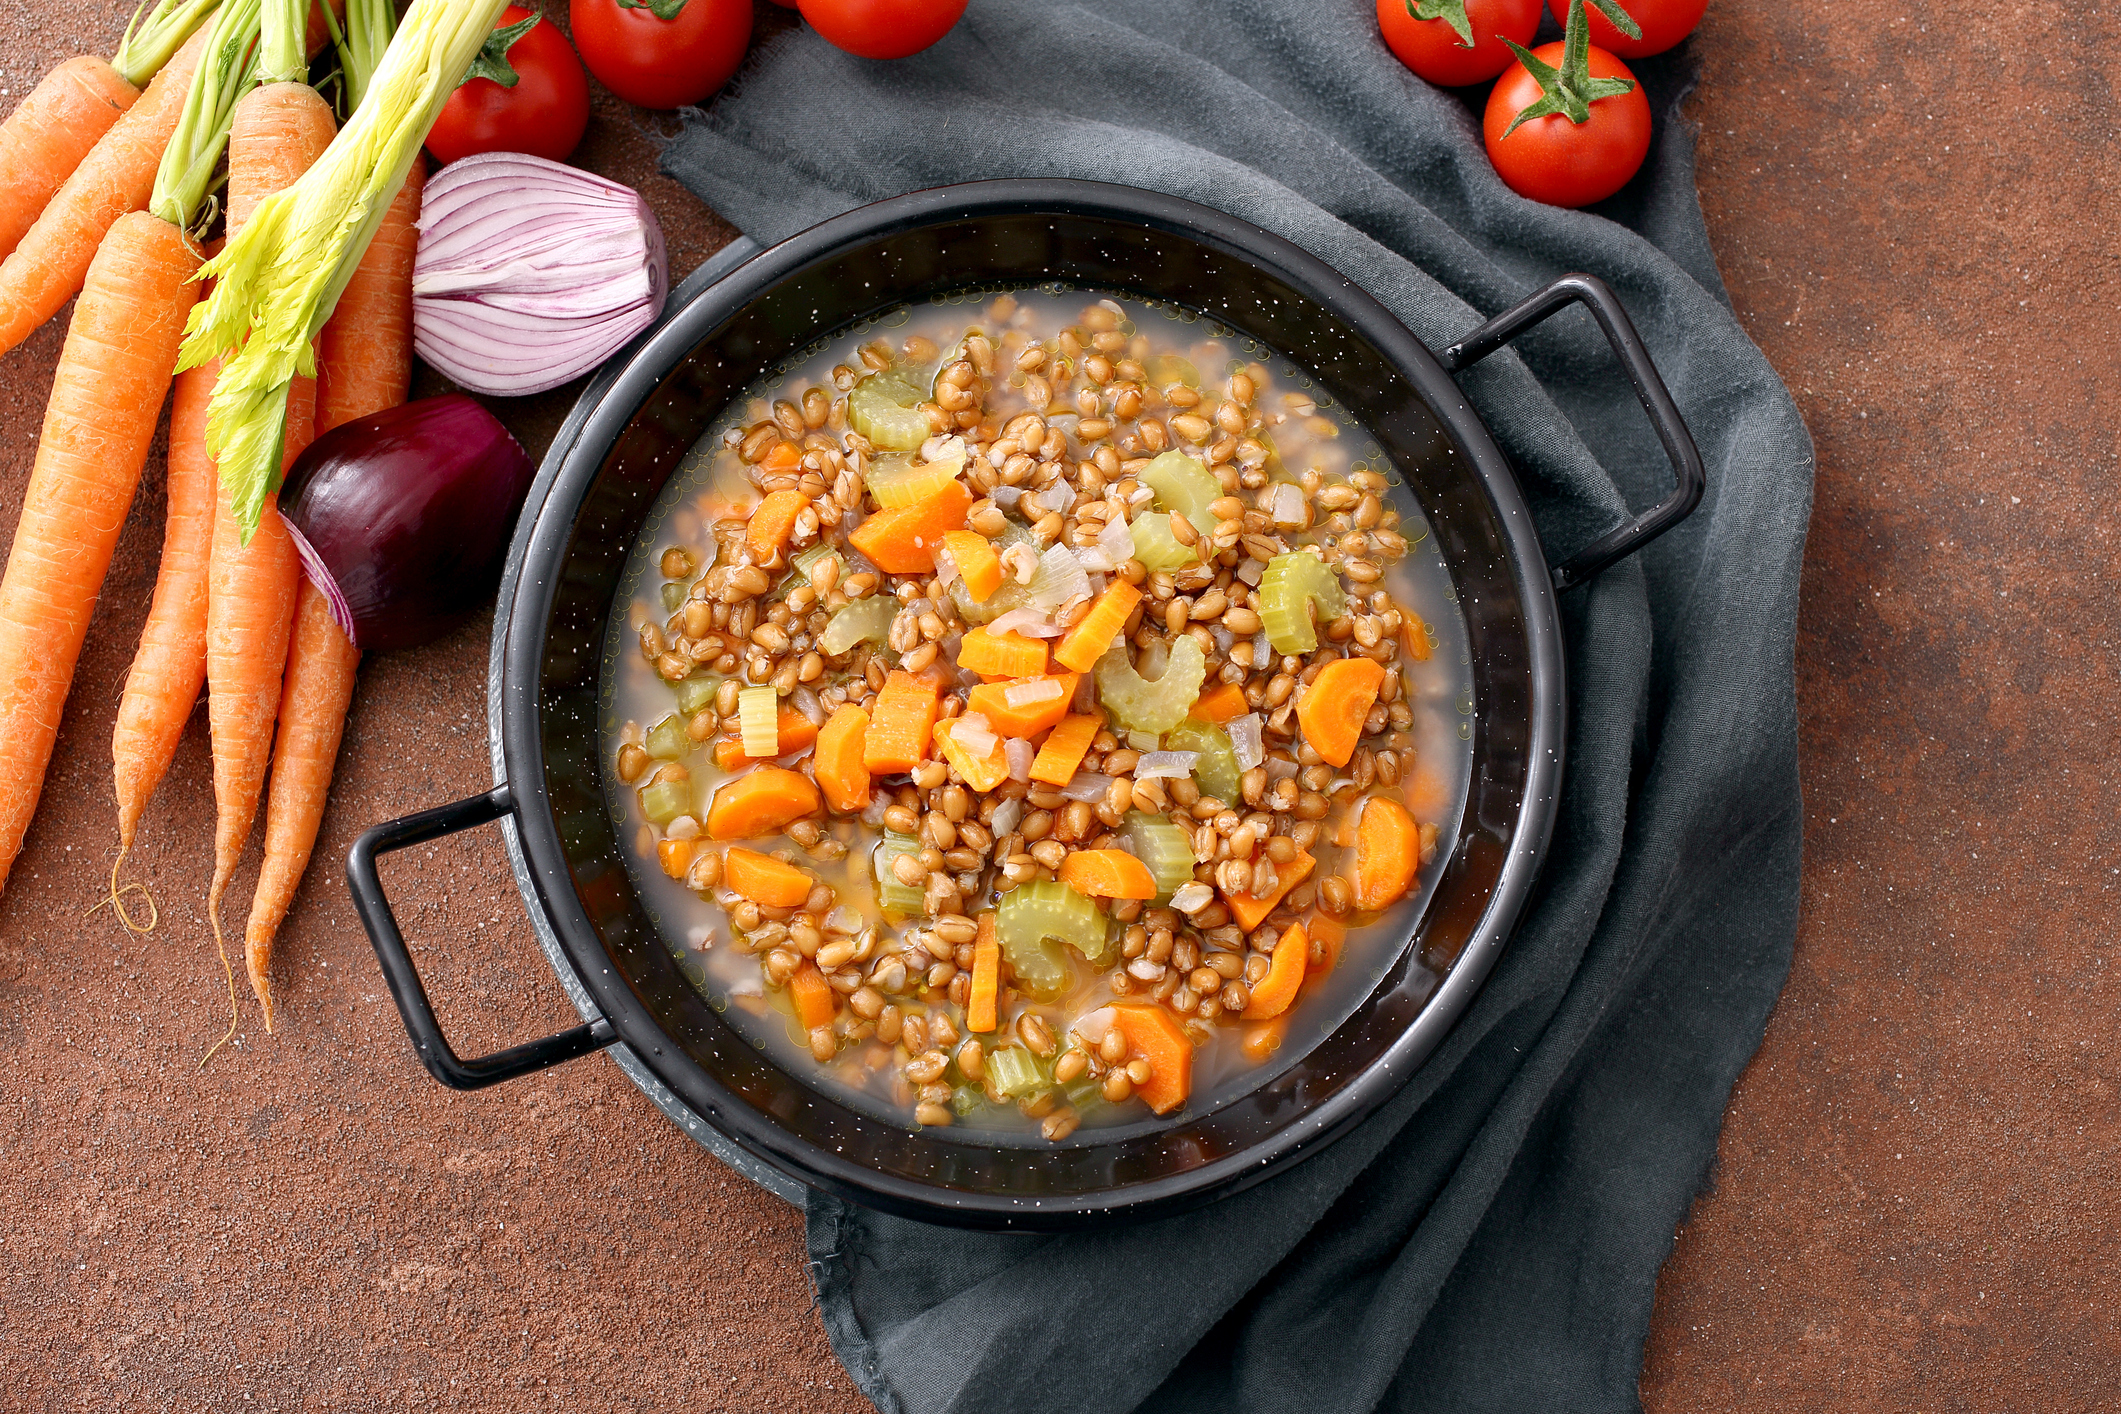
1911	1202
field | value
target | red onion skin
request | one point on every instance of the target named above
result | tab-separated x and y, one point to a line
410	510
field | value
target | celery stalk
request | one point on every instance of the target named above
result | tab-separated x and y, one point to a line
1294	585
1216	768
695	692
1138	704
1154	544
668	739
885	408
865	620
1033	920
1183	484
1160	844
890	893
666	800
1016	1072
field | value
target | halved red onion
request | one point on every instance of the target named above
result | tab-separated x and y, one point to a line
402	518
530	272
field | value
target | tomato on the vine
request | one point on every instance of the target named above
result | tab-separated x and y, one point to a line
1663	23
525	93
662	53
1457	42
1568	125
881	29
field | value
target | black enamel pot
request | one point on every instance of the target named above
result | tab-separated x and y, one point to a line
627	438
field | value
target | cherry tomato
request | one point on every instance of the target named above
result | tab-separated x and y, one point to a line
1432	48
1557	161
1663	24
543	114
882	29
662	63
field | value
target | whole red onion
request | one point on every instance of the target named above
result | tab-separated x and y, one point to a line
403	517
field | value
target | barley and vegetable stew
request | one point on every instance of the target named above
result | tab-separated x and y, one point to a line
1036	713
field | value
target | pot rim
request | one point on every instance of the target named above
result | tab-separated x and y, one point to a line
515	714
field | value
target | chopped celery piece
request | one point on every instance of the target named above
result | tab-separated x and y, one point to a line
967	1099
666	800
1085	1092
695	692
896	481
673	595
1166	369
758	722
1292	586
865	620
898	897
1182	484
669	740
1216	768
806	563
1032	920
1154	544
885	408
1011	595
1162	846
1141	705
1016	1072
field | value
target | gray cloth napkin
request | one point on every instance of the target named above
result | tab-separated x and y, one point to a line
1491	1238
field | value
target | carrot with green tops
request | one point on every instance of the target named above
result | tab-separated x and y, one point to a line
106	397
364	355
54	128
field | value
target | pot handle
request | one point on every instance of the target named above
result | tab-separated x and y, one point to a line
1592	293
441	1061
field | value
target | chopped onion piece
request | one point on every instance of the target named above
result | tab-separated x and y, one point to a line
1288	505
977	721
1251	570
1092	1025
1280	768
1087	786
1007	816
1060	578
843	920
1155	764
1116	541
1144	741
805	701
1246	740
1192	898
1057	497
976	741
1031	623
1023	694
1006	496
1020	756
1093	558
945	568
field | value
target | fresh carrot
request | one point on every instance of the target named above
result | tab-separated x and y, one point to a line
1225	704
837	762
986	976
51	261
319	687
278	131
1089	639
364	355
760	802
50	132
771	525
765	880
1001	655
1273	993
1154	1035
1064	749
812	996
991	700
792	732
1332	709
1107	873
1387	852
170	666
899	728
977	564
904	541
106	397
1251	910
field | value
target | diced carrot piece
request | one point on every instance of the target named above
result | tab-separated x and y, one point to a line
783	456
765	880
772	523
1414	636
812	995
1292	958
904	541
1251	910
1332	709
1064	749
991	700
1263	1038
760	802
838	763
1327	935
1426	792
897	739
1387	853
675	856
1001	655
982	773
1107	873
1154	1035
1225	704
977	563
1089	639
986	976
793	730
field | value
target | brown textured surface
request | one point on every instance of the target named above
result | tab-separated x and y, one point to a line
1913	1198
